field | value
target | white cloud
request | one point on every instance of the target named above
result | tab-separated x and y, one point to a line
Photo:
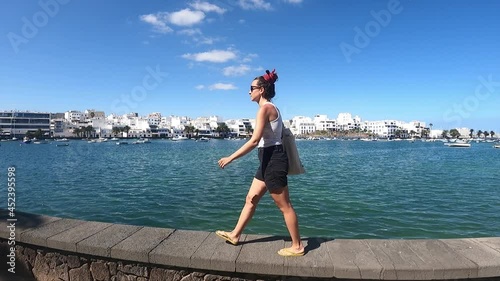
200	87
206	40
158	22
293	1
217	56
255	5
222	86
240	70
190	31
250	57
207	7
186	17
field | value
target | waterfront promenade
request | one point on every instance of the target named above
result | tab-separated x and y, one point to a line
70	249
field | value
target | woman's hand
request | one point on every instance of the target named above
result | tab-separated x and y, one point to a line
223	162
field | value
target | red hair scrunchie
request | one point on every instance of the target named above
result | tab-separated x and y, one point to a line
270	77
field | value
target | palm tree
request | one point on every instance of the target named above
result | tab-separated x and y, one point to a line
116	130
486	134
249	130
126	129
444	134
188	129
398	133
89	129
412	133
471	132
223	128
479	133
38	134
77	131
454	133
218	130
425	133
492	134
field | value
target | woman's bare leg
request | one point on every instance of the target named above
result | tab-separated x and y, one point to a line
282	200
255	193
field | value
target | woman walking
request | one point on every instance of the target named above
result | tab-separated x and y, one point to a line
273	169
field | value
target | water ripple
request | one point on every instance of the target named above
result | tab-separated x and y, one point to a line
351	189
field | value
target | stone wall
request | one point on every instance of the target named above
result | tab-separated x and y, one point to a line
45	264
52	248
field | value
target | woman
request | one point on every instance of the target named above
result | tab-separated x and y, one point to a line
272	173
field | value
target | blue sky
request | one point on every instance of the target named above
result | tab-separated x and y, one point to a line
433	61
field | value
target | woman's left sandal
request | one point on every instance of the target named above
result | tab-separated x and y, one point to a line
223	235
285	252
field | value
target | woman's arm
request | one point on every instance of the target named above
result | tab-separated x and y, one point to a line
262	118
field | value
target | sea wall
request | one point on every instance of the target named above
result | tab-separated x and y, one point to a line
51	248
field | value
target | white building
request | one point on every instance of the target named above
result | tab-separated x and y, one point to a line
240	127
346	122
94	114
154	118
206	125
302	125
322	123
383	129
74	116
177	122
414	128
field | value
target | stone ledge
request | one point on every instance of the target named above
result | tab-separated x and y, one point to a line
373	259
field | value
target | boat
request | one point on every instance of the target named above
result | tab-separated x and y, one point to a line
115	139
121	143
496	146
40	142
62	144
457	144
26	140
203	139
179	138
62	140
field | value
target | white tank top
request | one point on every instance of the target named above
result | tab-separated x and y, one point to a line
272	131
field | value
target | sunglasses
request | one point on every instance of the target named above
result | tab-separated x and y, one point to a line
254	87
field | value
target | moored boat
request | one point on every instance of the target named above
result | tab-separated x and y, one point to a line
457	144
179	138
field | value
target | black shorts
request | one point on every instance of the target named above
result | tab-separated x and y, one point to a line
273	169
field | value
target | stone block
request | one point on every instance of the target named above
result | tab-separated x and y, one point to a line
39	235
216	254
259	255
137	246
100	244
178	248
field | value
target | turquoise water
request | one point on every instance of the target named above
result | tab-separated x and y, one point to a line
352	189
